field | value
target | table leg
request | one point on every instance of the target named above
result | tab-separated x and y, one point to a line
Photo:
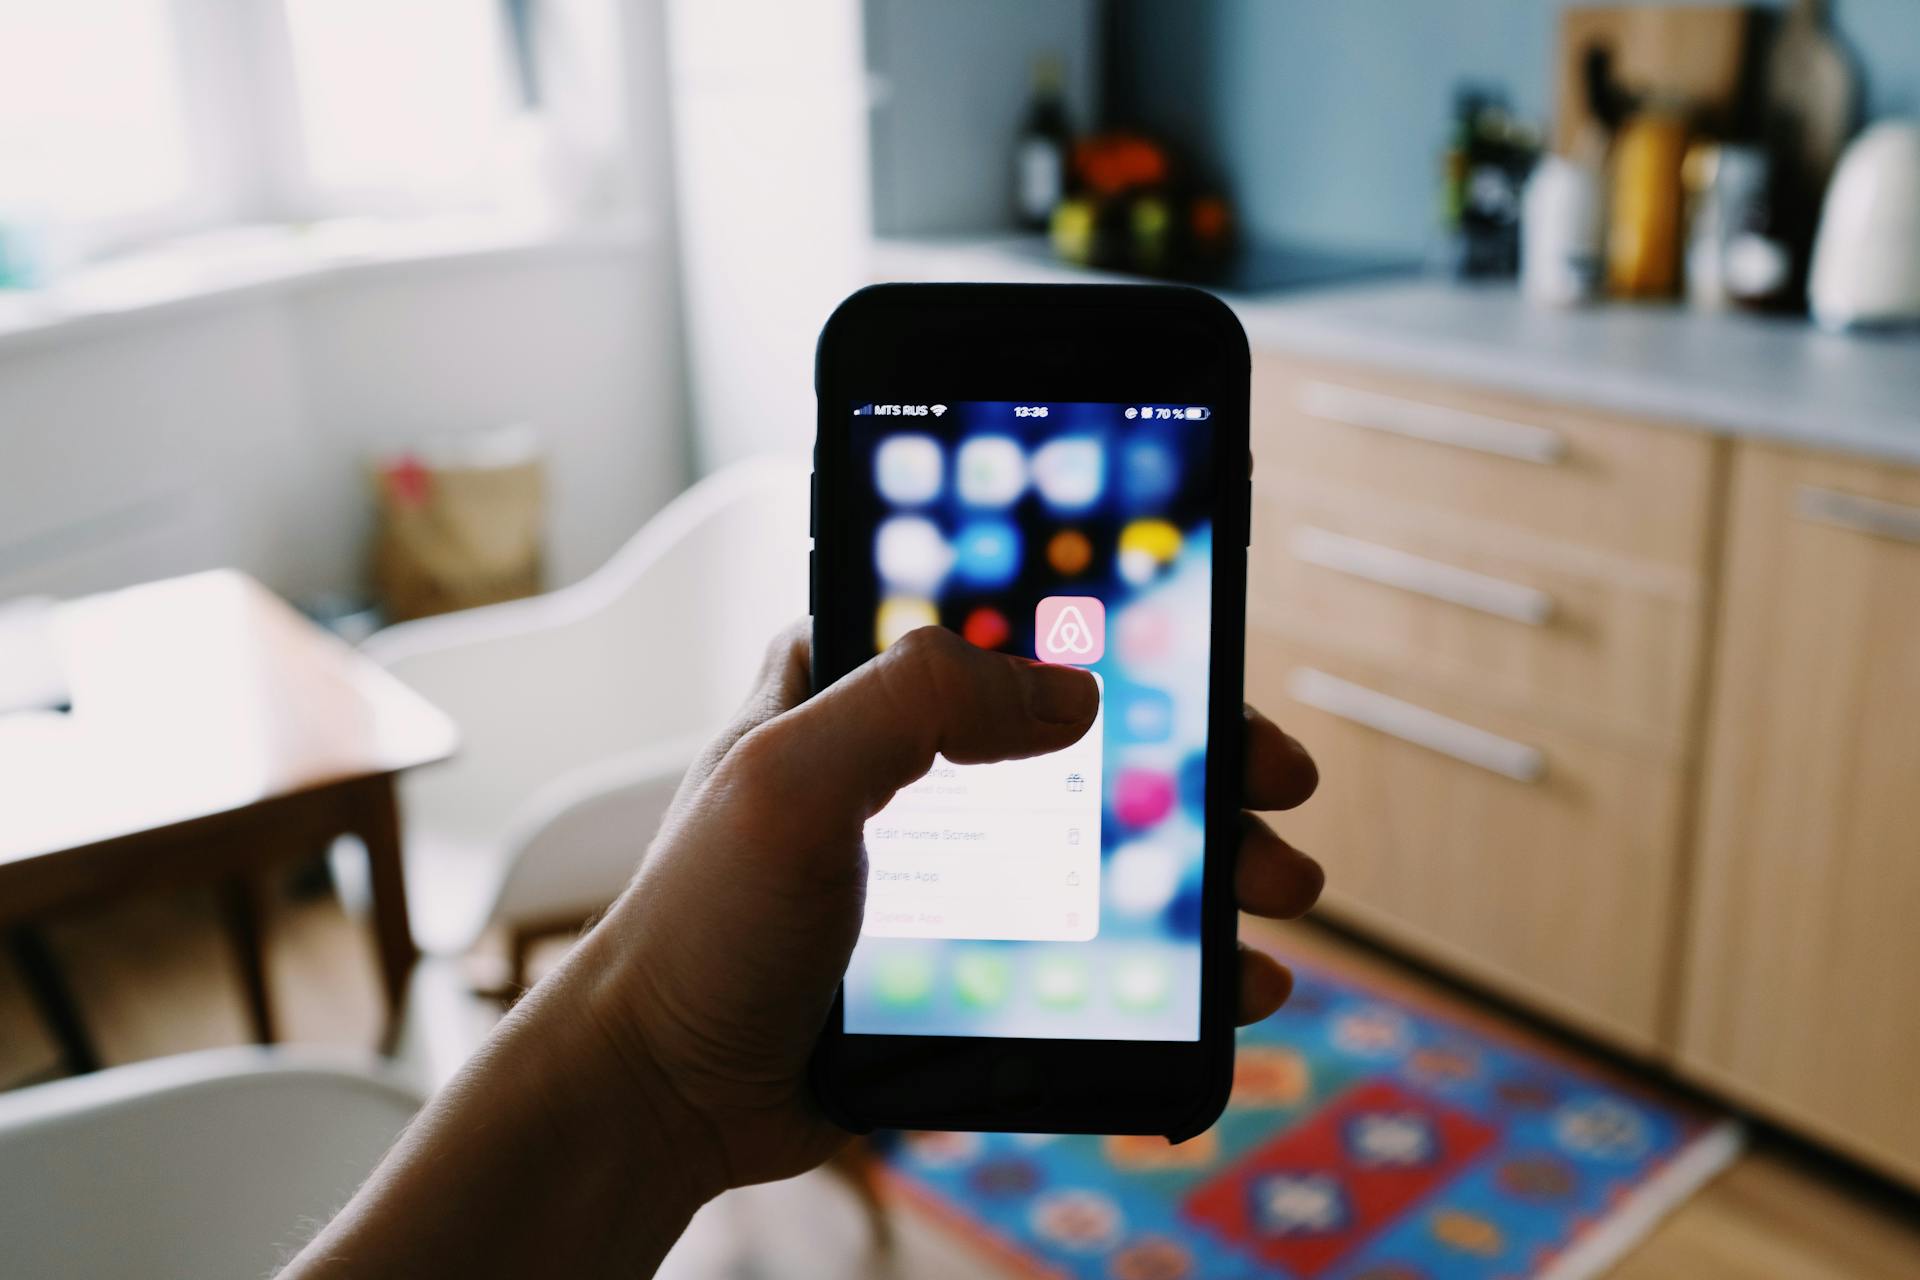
48	989
242	903
393	935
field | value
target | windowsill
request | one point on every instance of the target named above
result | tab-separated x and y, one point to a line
245	262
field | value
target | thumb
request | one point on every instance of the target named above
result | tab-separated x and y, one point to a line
840	756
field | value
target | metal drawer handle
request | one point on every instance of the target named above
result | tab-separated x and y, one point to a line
1861	515
1521	441
1410	723
1431	578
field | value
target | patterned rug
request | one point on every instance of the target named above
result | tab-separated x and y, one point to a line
1376	1132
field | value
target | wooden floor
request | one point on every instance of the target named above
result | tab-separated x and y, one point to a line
155	978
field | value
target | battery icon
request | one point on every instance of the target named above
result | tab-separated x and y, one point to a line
1195	413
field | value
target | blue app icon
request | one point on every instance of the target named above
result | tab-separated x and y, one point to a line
987	553
1149	474
1143	714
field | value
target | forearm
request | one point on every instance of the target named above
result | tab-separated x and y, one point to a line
545	1155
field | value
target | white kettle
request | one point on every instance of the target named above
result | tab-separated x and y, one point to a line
1866	258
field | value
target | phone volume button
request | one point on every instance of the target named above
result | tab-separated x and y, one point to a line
813	504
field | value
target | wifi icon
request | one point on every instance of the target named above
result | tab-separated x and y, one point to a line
937	409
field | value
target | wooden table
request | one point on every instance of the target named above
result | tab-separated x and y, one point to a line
215	736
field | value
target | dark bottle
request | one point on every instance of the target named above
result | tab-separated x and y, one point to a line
1040	152
1489	153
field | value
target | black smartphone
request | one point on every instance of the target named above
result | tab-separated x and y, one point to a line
1060	472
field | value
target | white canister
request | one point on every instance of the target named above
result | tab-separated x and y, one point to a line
1561	233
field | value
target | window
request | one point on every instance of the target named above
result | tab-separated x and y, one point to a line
408	102
92	126
129	120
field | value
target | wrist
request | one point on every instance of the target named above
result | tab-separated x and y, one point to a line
546	1154
608	1093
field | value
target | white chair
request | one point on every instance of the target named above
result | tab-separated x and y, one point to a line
205	1165
580	710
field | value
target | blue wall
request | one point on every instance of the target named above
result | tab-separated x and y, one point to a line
1326	117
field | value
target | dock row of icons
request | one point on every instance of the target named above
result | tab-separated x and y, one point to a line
1168	413
985	979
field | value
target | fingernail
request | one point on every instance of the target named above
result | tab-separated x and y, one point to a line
1061	695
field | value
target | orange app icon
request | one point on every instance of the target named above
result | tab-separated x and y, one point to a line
1071	629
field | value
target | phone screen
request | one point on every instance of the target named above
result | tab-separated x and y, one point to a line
1057	897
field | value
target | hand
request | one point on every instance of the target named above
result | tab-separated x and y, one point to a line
721	960
664	1060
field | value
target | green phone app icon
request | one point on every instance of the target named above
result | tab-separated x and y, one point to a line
1060	982
904	978
982	979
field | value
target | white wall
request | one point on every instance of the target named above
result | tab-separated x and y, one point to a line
149	449
795	126
769	111
235	431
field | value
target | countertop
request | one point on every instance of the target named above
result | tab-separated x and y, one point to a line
1771	378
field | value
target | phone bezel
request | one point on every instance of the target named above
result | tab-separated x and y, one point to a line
1099	343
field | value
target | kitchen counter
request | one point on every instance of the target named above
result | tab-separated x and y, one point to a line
1763	377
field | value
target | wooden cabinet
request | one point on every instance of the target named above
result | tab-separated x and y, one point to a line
1486	617
1802	981
1620	721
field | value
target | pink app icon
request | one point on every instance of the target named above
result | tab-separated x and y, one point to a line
1070	629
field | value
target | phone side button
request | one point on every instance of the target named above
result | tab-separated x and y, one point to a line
1248	509
810	580
813	504
1017	1083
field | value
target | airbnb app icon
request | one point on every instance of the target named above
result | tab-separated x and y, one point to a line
1070	629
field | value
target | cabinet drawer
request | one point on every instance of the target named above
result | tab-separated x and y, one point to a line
1566	643
1628	488
1523	857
